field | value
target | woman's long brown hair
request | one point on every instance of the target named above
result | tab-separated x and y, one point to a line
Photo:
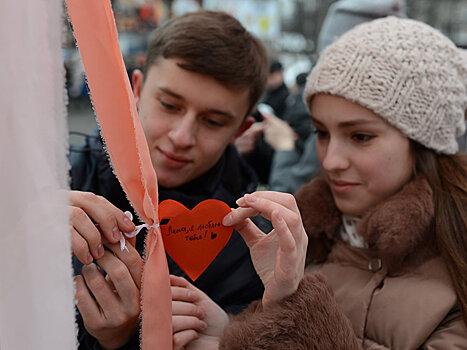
447	176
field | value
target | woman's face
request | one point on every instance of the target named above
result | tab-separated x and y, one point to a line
364	159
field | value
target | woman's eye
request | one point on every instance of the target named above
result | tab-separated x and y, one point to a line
362	137
320	133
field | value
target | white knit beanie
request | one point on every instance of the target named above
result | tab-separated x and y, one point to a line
403	70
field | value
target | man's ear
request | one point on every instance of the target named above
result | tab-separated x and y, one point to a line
137	82
244	127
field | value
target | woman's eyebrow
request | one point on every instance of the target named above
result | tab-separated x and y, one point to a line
315	121
355	122
348	123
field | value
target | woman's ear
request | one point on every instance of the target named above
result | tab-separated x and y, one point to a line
137	79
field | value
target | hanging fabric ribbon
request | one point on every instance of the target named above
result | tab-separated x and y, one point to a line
97	39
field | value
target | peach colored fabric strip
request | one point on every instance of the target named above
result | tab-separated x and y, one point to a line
97	39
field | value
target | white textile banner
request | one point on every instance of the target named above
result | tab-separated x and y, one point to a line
36	285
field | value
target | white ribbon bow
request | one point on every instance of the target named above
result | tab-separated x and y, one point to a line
138	228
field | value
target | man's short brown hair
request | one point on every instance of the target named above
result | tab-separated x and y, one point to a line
215	44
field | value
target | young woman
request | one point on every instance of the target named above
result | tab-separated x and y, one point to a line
385	222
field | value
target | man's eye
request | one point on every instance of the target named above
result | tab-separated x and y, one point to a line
214	123
167	106
362	137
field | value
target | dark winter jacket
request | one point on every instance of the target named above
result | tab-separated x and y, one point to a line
396	295
277	99
231	280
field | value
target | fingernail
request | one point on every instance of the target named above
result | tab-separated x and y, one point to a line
116	233
89	258
100	250
240	201
190	295
202	325
227	221
128	223
250	198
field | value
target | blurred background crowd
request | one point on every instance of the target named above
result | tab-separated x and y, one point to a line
294	32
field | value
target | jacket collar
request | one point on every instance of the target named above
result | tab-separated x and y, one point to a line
399	229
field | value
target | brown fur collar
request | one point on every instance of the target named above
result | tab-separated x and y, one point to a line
309	319
400	229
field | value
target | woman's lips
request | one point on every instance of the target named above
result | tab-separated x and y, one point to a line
173	160
342	187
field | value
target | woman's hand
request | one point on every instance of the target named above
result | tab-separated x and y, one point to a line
198	322
278	257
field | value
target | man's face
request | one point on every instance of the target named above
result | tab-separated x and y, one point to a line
188	119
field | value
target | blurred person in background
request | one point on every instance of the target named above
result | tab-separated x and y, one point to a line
343	15
276	91
251	144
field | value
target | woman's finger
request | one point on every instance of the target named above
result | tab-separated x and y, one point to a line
282	198
181	308
183	338
238	215
286	240
289	213
183	322
178	281
183	294
265	206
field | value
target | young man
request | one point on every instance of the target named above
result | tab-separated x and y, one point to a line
204	74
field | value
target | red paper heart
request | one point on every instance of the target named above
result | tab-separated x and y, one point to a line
193	238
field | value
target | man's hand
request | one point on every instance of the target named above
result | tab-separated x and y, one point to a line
94	221
110	305
111	316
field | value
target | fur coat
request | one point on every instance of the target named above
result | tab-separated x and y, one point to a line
395	294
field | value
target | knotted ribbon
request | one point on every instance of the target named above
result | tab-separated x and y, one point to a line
137	230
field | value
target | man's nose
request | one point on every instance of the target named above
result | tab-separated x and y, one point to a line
183	131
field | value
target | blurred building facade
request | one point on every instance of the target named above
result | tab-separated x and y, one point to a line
289	28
